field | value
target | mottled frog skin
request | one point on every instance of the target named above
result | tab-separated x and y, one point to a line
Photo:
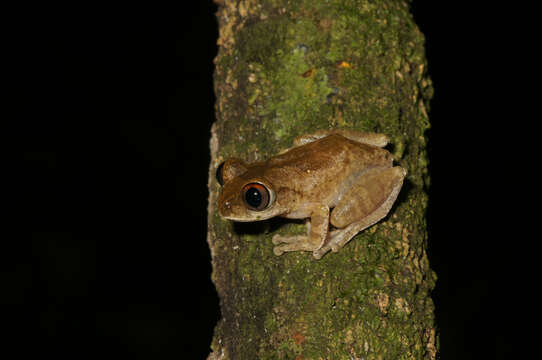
340	177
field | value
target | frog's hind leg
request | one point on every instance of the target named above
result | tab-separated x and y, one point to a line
370	138
366	203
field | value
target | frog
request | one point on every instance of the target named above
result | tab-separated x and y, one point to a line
341	181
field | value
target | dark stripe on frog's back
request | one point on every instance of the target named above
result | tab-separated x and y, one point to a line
332	149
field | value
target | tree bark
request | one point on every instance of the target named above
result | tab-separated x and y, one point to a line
286	68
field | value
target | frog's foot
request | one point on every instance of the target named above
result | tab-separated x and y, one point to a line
330	244
334	241
291	243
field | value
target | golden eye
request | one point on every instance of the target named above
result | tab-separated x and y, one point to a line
256	196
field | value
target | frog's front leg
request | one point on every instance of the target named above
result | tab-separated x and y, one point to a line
316	234
364	204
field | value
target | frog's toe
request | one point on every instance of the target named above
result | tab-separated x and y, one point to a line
278	251
318	254
277	239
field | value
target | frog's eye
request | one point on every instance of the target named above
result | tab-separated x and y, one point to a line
256	196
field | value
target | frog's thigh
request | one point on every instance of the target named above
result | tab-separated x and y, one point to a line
317	232
371	191
367	202
369	138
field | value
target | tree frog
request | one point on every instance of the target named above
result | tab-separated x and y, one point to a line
342	178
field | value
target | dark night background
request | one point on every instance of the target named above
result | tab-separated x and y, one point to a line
113	111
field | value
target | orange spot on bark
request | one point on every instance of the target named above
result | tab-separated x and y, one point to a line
343	65
299	338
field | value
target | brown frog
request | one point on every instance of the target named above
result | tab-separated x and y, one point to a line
340	177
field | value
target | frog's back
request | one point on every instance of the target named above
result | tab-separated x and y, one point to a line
327	160
330	151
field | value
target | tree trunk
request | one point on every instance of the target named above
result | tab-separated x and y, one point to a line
286	68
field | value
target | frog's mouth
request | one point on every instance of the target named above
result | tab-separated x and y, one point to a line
238	213
256	218
250	215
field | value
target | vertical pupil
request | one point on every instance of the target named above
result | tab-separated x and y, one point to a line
253	197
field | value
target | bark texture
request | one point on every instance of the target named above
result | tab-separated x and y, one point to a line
286	68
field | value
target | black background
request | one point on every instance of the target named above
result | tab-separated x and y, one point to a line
113	108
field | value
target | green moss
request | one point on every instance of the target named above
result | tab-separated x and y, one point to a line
296	98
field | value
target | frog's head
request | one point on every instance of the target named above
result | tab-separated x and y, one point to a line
246	194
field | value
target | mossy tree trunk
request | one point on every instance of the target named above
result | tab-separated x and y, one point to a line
286	68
